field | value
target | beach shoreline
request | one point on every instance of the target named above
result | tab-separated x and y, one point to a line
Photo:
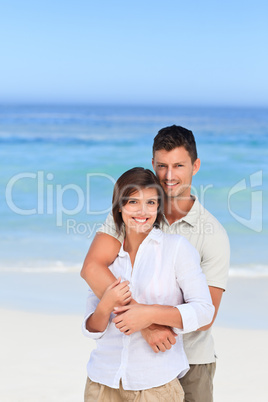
244	305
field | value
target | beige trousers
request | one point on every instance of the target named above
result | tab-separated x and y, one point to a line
198	383
170	392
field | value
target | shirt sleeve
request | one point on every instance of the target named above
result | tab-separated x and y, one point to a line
91	304
197	309
108	227
215	256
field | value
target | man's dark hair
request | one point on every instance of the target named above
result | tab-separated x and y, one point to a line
131	181
172	137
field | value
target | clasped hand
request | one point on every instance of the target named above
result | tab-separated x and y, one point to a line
135	317
117	294
132	318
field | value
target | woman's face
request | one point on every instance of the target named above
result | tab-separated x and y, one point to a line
140	211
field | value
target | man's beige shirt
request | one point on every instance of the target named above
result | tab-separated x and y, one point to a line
209	237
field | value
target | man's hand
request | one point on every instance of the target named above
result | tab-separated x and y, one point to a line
132	318
159	337
117	294
138	317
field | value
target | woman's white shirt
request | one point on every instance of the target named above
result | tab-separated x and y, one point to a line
166	272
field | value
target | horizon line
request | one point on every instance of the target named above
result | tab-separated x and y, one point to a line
129	104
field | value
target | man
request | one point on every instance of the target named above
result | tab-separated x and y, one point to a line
175	162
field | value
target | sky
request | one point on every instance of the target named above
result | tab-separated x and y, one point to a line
147	52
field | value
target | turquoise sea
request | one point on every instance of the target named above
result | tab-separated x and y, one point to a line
59	163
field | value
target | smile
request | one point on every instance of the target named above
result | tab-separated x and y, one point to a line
171	184
140	220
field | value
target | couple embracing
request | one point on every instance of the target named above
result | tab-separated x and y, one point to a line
157	270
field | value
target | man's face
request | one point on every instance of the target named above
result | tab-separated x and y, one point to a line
175	171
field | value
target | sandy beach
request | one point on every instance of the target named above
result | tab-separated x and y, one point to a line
43	358
241	367
44	354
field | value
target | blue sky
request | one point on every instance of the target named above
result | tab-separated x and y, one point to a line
135	52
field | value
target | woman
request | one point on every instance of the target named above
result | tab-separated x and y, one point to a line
166	286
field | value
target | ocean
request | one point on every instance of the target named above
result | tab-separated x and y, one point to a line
59	164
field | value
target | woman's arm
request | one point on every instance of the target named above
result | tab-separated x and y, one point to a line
115	293
98	321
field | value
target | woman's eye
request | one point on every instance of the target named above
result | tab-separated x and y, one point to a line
132	202
151	202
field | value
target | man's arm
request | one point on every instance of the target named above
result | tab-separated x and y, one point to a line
196	310
161	341
216	295
215	265
101	254
161	338
133	318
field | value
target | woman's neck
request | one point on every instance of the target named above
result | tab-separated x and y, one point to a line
132	242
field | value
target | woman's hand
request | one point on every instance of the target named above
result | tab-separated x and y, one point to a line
117	294
132	318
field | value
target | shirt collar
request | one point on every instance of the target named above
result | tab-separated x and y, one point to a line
155	235
192	217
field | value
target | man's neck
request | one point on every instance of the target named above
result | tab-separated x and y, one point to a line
176	208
